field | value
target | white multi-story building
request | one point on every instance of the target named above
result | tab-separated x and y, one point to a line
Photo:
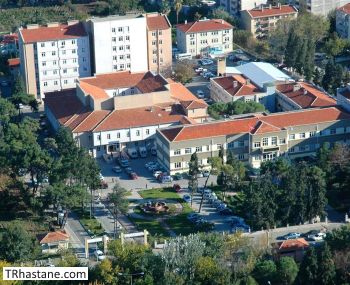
119	43
233	7
343	21
53	57
318	7
204	37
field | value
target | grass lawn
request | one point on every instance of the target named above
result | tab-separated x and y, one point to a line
160	193
154	227
90	224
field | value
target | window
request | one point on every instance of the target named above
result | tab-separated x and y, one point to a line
114	39
127	47
53	44
208	148
177	164
55	71
63	43
302	135
153	34
73	42
187	150
160	33
83	49
198	148
73	51
332	131
241	156
153	43
160	42
302	148
65	81
240	143
312	134
282	141
84	59
54	62
113	30
219	146
274	140
74	60
118	135
121	48
147	131
43	63
98	137
232	145
321	133
108	136
53	53
127	38
42	44
256	144
138	133
64	61
114	48
177	152
64	70
128	133
44	72
43	54
292	136
265	141
63	52
120	39
291	150
98	148
45	83
55	83
75	69
120	29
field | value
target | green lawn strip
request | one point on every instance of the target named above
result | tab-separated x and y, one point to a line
89	224
159	193
180	224
152	226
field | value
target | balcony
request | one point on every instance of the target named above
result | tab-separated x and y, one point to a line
267	149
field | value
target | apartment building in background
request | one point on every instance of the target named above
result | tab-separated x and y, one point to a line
118	43
110	112
260	21
318	7
254	138
233	7
53	57
343	21
159	43
204	36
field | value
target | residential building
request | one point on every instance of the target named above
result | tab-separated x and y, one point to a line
52	242
260	21
203	37
254	138
343	21
294	248
301	95
108	113
233	7
9	44
236	87
53	57
159	43
119	43
343	97
318	7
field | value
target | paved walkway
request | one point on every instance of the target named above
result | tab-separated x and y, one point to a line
76	233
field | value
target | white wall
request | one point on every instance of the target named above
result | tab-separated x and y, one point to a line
106	59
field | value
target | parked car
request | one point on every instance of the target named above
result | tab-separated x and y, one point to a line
200	69
177	188
317	236
157	173
205	61
99	255
200	94
123	162
199	174
128	170
193	217
226	212
206	173
116	169
292	236
187	198
133	175
166	179
177	176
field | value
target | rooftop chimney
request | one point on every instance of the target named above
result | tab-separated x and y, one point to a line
185	21
247	81
32	26
235	83
305	91
279	6
270	6
262	7
296	87
53	24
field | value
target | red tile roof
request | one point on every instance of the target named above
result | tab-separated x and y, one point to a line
13	62
195	104
157	22
53	237
293	244
274	11
204	26
345	8
180	92
258	124
305	95
138	117
146	82
61	32
237	85
93	91
9	39
64	105
91	121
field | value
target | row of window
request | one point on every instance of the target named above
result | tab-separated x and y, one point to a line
121	66
121	57
212	33
64	61
121	29
121	48
154	33
121	39
138	133
63	43
53	53
55	71
55	82
190	150
155	42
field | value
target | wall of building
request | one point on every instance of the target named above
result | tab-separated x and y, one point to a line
319	7
343	24
141	100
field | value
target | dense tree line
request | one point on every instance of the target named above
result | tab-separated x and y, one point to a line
238	107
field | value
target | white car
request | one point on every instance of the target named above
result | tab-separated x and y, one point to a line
99	255
200	69
200	94
317	237
199	175
206	173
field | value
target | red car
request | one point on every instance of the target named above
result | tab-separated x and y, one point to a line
133	175
177	188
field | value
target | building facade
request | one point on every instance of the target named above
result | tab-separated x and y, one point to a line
159	43
318	7
343	21
260	21
53	57
119	43
198	38
254	139
233	7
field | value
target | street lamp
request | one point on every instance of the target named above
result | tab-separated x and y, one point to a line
131	275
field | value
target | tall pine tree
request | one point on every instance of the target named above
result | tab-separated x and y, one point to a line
308	273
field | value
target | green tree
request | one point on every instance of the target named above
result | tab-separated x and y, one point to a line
193	173
177	7
184	72
265	272
17	244
119	202
220	13
326	267
308	272
287	270
335	45
208	272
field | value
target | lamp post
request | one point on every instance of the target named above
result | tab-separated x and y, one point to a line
131	275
